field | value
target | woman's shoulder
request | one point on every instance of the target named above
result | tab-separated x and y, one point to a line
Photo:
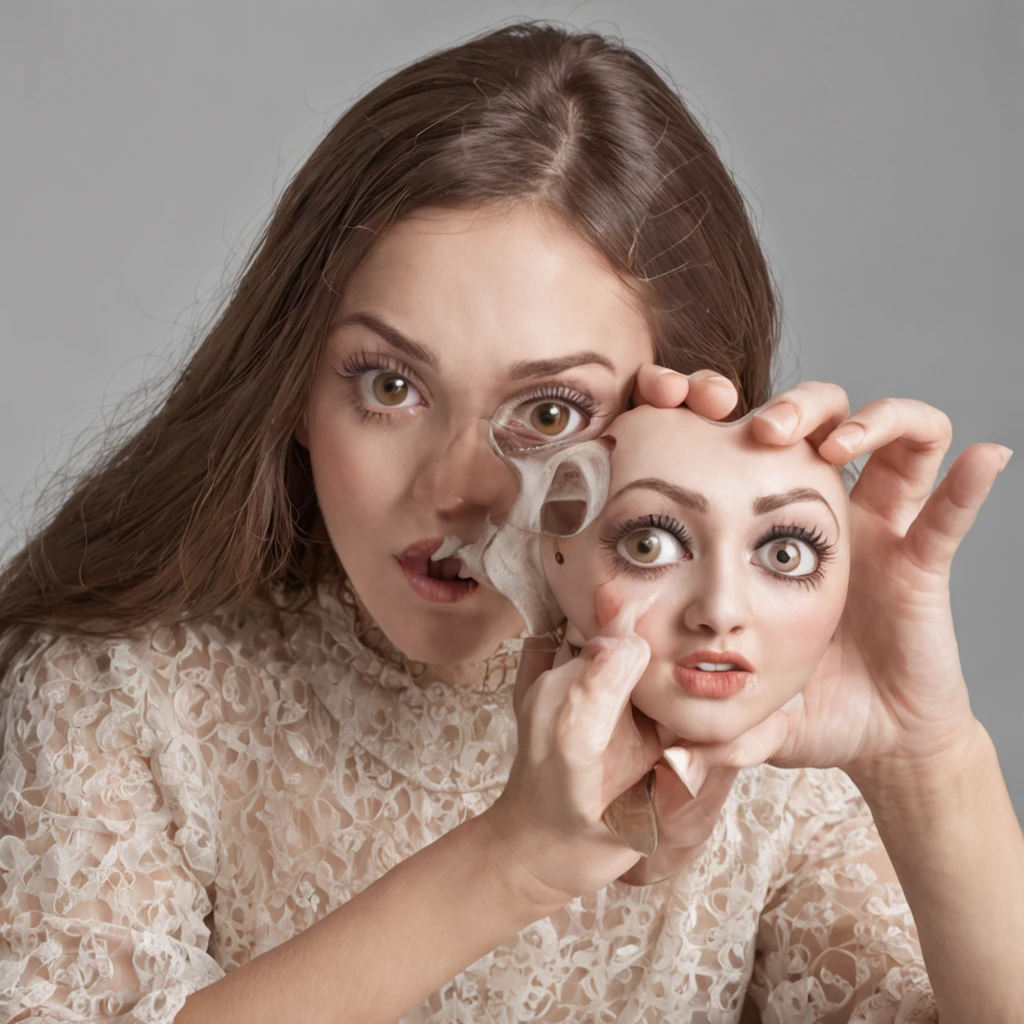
179	661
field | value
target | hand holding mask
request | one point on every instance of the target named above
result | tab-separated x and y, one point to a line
728	557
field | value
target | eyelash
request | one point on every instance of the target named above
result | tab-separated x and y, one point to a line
584	403
814	539
790	531
656	522
364	362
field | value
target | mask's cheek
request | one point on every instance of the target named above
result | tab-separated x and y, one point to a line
794	644
588	588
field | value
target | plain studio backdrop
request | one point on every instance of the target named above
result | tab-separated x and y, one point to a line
879	143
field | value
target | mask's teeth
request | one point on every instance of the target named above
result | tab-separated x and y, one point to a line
447	549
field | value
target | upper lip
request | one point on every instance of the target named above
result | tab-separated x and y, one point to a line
422	548
716	658
418	556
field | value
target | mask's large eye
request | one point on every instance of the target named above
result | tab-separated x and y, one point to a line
650	547
788	556
550	418
385	389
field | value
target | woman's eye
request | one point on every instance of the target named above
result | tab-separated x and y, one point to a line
788	556
385	389
551	419
651	547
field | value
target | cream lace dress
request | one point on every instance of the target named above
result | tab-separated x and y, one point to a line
172	806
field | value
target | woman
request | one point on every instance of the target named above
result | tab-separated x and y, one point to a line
253	766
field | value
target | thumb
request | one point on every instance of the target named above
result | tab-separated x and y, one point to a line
754	747
537	658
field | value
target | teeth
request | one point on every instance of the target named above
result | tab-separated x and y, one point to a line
714	666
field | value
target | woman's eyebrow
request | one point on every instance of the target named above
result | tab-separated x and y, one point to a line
692	500
771	502
398	341
517	371
551	367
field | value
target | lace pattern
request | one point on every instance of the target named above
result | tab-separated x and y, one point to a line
174	805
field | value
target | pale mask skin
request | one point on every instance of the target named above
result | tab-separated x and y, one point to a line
746	560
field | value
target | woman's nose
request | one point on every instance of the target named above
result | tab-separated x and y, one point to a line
718	604
467	479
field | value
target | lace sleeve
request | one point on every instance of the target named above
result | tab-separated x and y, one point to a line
106	837
836	942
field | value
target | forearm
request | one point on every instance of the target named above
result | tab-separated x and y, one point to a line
388	948
957	848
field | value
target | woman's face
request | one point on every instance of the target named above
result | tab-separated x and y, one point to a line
451	315
748	548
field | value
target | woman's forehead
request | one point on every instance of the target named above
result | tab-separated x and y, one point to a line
684	449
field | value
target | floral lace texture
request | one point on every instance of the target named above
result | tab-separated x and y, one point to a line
174	805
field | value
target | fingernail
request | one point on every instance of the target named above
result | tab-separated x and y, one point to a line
1007	454
710	377
782	416
849	435
666	373
690	767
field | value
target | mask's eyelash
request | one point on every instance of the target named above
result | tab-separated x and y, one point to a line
583	402
656	521
814	538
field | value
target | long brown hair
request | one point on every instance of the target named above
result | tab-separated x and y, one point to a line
211	499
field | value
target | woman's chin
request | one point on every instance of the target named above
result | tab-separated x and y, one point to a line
455	644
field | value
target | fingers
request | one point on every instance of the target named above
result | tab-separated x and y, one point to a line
601	698
936	533
812	410
752	748
908	439
616	616
704	391
536	658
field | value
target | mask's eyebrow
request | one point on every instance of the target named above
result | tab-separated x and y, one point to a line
398	341
771	502
692	500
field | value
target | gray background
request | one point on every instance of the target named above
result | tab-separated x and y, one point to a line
881	144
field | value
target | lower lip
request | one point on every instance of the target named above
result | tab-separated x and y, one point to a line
438	591
713	685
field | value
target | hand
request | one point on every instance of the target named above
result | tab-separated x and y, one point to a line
811	409
706	392
889	696
579	748
685	822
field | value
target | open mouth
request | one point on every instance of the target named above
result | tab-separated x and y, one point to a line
713	674
441	581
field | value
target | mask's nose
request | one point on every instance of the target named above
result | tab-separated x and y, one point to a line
718	602
467	481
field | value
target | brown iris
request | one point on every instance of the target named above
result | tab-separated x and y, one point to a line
784	555
549	418
642	547
390	389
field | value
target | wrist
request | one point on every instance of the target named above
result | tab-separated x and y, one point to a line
906	788
497	850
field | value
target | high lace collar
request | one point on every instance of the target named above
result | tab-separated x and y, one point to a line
452	728
347	618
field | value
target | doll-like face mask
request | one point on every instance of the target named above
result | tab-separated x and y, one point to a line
748	548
